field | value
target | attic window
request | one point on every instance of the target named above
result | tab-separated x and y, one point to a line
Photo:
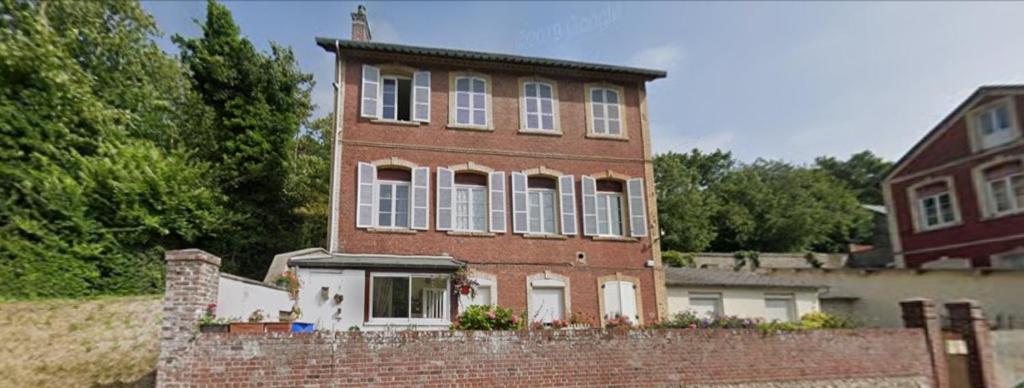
994	125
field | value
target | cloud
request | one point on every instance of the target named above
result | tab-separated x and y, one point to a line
666	57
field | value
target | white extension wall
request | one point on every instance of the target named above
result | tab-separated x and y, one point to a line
323	311
742	302
238	297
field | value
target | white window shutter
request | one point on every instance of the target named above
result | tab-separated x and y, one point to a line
421	96
589	189
519	211
567	192
627	295
445	198
637	210
365	195
370	107
497	203
420	198
612	302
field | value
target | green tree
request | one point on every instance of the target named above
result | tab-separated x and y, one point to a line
308	183
87	202
256	104
686	208
862	172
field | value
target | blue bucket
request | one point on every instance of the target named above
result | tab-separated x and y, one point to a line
300	327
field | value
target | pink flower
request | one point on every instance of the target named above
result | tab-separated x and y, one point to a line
491	315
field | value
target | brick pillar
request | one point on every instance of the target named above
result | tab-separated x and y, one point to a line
967	319
192	280
922	314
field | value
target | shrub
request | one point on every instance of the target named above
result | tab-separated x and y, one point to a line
487	318
678	259
820	320
618	322
689	319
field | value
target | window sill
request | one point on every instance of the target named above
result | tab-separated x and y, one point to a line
993	217
540	132
547	236
470	234
939	227
403	323
391	230
606	137
615	238
463	127
396	122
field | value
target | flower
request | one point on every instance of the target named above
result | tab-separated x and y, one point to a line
491	315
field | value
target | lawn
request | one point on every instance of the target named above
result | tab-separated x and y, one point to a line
79	343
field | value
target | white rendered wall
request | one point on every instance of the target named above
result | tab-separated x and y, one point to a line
324	312
742	302
238	299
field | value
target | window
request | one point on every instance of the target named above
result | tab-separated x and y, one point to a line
408	298
392	204
1005	186
706	304
471	101
486	290
547	304
779	307
470	207
994	126
620	300
613	205
390	197
605	111
395	93
541	205
539	100
609	208
935	205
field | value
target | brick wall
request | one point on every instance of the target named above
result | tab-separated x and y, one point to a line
588	357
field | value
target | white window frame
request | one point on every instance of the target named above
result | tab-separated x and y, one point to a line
482	280
394	199
918	216
380	104
605	196
454	103
703	295
555	209
790	301
605	106
979	140
923	210
485	189
525	102
1015	205
371	320
548	280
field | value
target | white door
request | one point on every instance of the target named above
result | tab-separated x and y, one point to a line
547	304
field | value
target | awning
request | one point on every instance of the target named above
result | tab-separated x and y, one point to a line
362	260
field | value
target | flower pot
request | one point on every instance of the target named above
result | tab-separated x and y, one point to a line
213	328
465	290
278	327
246	328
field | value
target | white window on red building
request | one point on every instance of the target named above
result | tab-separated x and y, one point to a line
403	298
995	125
935	205
539	105
395	94
470	101
1004	186
620	300
604	105
470	198
611	207
543	203
391	197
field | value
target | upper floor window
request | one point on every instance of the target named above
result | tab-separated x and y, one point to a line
470	101
994	125
604	111
391	196
935	205
470	198
1004	188
543	200
539	105
395	93
612	205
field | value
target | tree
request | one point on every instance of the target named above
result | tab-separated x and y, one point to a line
257	102
87	202
686	208
308	182
862	172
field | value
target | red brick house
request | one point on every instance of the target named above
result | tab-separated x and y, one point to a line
959	193
535	174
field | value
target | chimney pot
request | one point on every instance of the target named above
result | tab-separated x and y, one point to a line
360	26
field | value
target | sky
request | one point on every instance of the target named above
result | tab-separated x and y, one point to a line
789	81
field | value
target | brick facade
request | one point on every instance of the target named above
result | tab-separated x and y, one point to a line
947	153
511	257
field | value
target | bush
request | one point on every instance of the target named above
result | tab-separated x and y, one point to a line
820	320
677	259
690	320
487	318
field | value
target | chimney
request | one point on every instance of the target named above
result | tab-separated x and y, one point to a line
360	26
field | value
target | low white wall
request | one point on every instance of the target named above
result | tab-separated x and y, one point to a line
872	297
742	302
239	297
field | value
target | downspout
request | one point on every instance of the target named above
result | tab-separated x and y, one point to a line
333	240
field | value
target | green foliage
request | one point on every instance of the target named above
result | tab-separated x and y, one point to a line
677	259
308	182
746	259
486	317
863	173
810	321
88	202
821	320
256	103
686	206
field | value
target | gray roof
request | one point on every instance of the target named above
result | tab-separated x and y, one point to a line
359	260
331	44
720	277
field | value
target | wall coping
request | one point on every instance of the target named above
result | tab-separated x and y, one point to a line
192	255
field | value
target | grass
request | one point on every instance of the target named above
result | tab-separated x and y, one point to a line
110	341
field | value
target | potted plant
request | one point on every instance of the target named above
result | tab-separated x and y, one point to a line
289	281
462	284
209	323
253	325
